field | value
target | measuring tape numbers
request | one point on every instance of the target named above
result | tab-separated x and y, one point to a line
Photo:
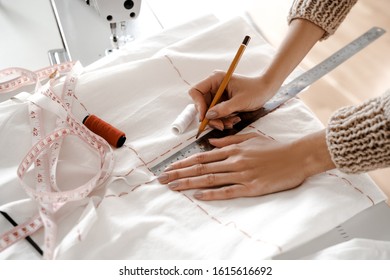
284	94
44	156
14	78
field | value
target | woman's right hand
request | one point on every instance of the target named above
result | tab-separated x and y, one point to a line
251	93
242	94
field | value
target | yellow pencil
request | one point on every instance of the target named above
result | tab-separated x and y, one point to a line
225	81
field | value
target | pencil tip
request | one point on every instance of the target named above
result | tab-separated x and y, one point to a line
199	133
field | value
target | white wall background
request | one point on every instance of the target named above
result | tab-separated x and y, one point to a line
27	32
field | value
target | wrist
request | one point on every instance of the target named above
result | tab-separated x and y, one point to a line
313	154
268	84
272	77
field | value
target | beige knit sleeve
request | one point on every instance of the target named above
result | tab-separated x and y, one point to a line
358	137
327	14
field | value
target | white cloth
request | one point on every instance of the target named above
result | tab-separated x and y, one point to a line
141	90
355	249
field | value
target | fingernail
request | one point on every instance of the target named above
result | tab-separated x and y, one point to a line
211	115
236	120
220	126
163	178
198	195
173	185
229	126
169	168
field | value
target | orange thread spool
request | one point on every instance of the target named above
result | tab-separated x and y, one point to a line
112	135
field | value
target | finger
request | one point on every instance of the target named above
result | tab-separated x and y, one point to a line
233	139
227	192
224	109
210	180
217	124
224	123
200	101
194	165
203	92
199	158
229	122
195	170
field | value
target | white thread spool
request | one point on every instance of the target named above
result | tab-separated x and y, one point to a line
184	119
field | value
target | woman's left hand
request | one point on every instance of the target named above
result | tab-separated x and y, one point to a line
240	166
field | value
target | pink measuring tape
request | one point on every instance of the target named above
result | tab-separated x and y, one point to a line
44	154
19	77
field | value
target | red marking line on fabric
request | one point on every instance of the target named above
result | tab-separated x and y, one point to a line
349	183
192	137
247	235
177	70
262	133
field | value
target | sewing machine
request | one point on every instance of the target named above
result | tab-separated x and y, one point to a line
117	12
92	28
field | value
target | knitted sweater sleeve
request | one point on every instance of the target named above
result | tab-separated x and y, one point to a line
327	14
358	137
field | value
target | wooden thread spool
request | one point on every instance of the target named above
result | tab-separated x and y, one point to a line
112	135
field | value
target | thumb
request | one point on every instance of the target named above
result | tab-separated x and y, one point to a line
222	110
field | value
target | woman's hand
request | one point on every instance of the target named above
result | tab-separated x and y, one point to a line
251	93
243	165
242	94
249	165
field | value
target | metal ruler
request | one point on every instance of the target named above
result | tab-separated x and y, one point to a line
284	94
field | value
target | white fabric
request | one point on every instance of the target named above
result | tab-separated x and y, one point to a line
355	249
141	90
